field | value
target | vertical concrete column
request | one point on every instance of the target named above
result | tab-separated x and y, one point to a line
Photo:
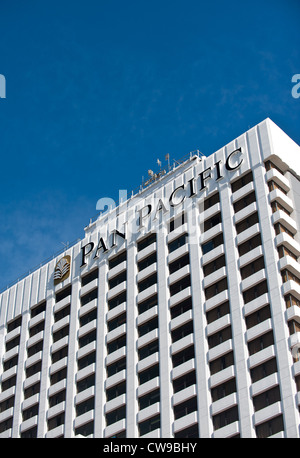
238	325
46	362
19	396
199	323
131	342
165	362
100	375
72	362
280	328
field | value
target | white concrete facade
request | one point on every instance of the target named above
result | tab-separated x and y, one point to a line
192	336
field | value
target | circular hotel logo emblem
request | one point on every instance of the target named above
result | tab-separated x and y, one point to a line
62	269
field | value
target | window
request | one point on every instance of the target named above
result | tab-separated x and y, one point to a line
90	296
85	430
64	293
116	344
147	304
116	260
252	267
148	399
116	367
146	241
148	326
85	406
148	374
183	356
246	223
10	363
58	376
87	338
62	313
149	425
182	307
190	432
59	354
184	381
147	282
6	424
86	360
57	398
221	363
211	200
179	263
29	433
270	165
249	244
273	185
244	202
177	222
177	243
146	262
37	309
182	331
115	415
34	369
266	398
88	317
256	291
116	322
7	404
287	275
35	348
216	288
32	390
217	312
279	228
186	407
222	390
219	337
276	206
243	181
32	411
115	391
85	383
56	421
212	222
260	343
61	333
212	244
290	301
180	285
8	383
225	418
263	370
216	264
258	316
12	343
117	300
117	280
14	324
283	251
148	349
89	277
270	427
294	327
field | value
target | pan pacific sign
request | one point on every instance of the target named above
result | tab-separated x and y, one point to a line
181	194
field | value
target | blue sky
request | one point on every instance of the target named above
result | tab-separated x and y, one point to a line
96	91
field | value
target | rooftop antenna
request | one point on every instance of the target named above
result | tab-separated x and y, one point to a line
167	158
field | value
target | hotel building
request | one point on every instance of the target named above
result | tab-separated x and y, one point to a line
176	316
